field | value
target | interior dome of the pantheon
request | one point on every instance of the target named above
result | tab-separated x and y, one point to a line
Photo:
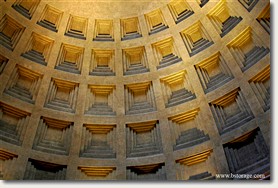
131	90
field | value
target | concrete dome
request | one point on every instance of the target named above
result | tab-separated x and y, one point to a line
131	90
